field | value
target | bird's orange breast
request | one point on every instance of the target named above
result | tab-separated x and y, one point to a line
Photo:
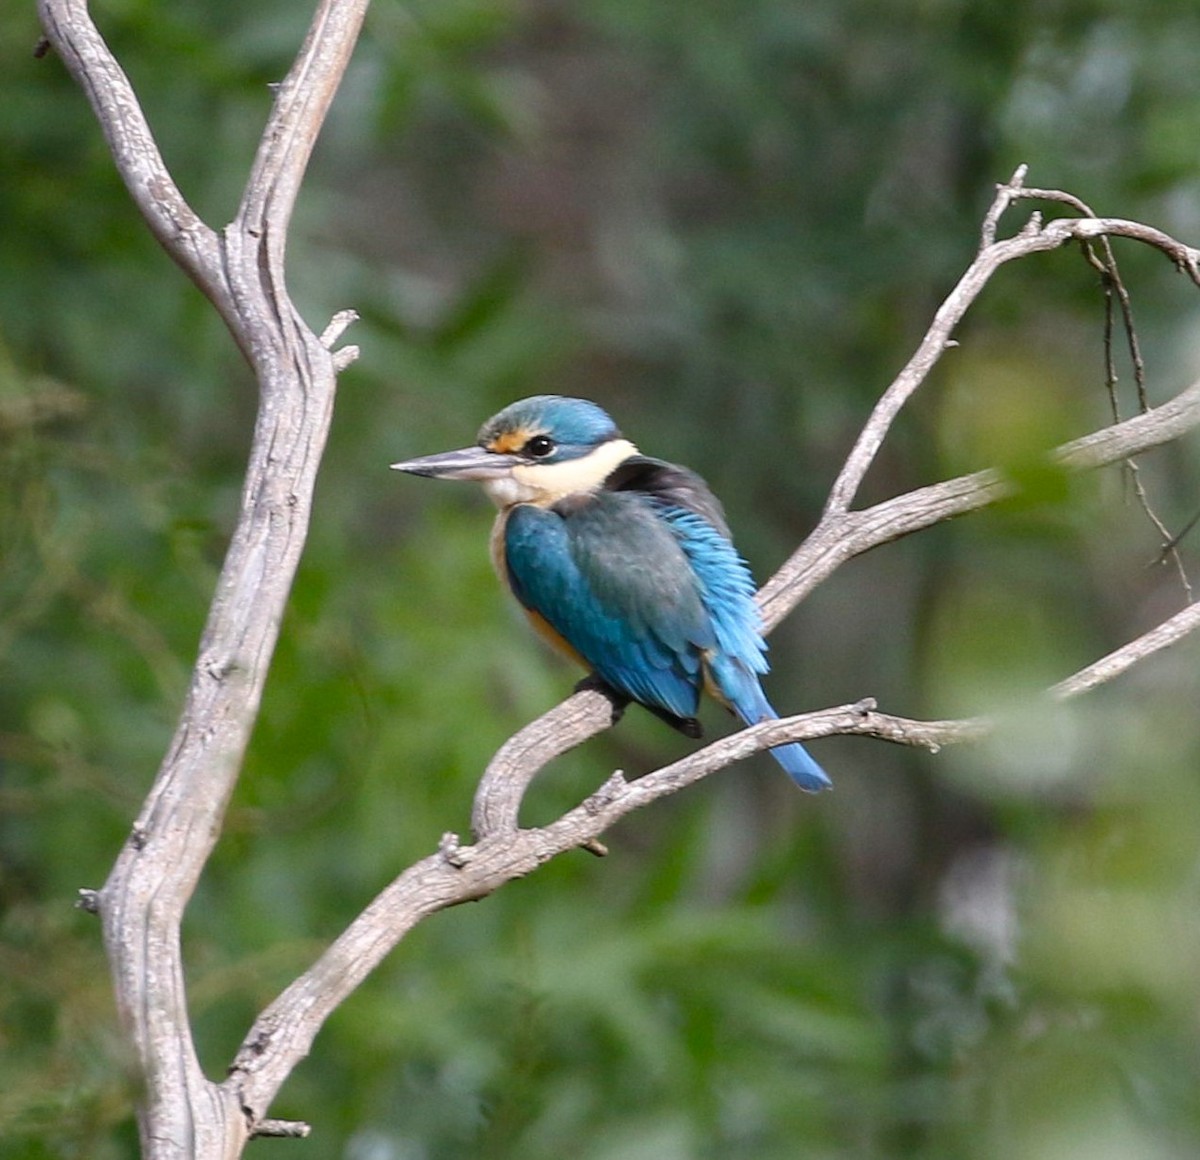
553	637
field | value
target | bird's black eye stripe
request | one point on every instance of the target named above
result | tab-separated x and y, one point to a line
539	446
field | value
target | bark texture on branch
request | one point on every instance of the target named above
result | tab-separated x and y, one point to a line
241	270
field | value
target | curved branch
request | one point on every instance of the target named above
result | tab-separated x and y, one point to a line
284	1032
193	245
524	755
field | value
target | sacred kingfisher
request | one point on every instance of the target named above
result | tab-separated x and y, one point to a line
623	562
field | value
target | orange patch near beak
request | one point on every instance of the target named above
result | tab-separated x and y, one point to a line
510	442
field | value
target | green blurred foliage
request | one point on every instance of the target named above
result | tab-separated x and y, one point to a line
729	223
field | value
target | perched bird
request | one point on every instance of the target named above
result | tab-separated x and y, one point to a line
623	562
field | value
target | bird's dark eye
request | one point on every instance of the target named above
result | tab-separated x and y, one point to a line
539	446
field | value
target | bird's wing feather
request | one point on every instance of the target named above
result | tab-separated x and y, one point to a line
725	584
609	575
671	485
684	502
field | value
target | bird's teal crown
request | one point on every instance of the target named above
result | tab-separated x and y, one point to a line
548	429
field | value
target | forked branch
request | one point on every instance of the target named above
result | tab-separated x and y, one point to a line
182	1113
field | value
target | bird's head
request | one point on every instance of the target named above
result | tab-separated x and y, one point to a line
538	450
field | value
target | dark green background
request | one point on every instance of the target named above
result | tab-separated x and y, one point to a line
729	223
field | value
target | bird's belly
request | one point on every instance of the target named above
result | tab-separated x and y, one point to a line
554	638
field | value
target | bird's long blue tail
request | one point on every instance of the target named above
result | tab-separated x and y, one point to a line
746	698
798	763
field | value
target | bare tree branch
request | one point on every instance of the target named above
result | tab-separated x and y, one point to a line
195	246
1034	238
241	270
284	1032
1170	632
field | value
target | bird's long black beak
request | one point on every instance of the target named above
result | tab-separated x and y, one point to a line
471	463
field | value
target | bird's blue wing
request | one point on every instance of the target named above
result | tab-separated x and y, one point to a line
725	585
645	584
682	500
609	575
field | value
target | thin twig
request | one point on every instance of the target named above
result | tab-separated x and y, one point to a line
281	1129
1177	538
1171	631
1114	287
1006	194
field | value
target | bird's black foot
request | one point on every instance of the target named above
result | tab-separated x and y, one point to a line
688	726
618	701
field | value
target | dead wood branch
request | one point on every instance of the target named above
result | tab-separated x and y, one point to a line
240	269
